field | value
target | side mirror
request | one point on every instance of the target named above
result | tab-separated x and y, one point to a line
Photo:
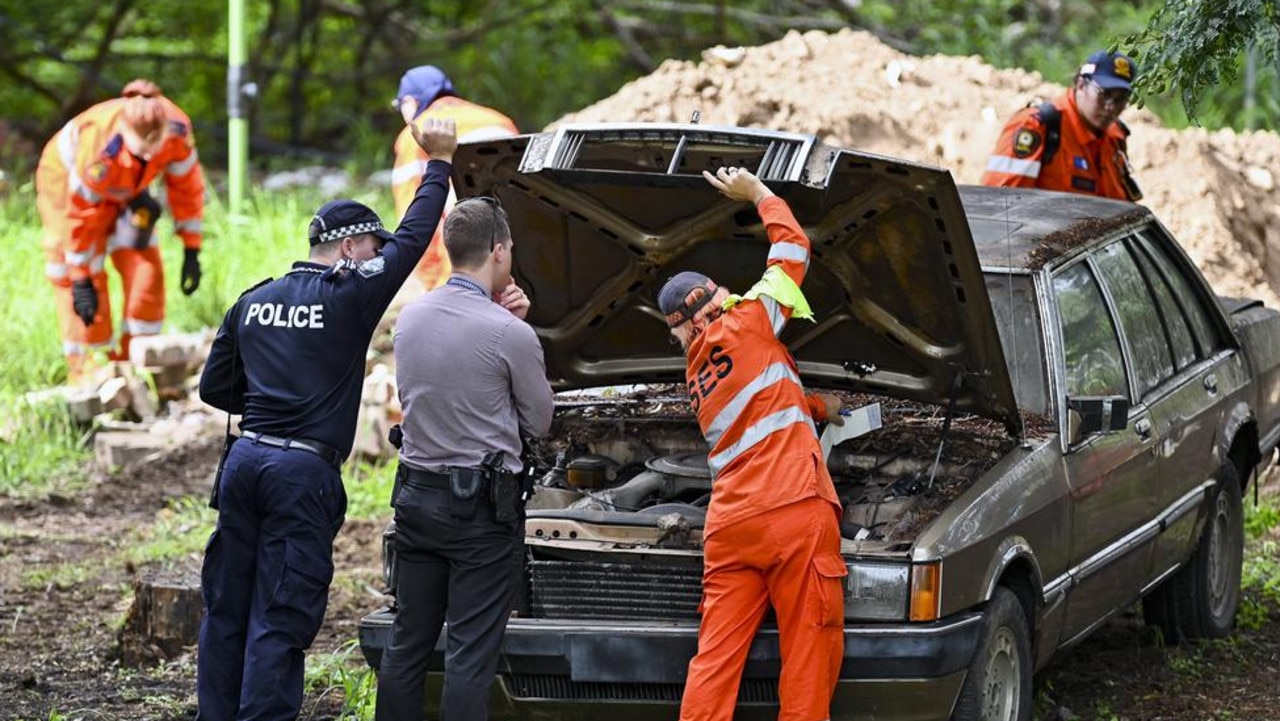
1087	415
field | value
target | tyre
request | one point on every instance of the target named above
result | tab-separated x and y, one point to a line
1201	599
997	686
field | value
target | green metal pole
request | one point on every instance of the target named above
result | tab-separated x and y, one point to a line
238	122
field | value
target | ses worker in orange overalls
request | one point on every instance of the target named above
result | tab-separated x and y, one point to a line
1076	143
426	92
91	190
772	530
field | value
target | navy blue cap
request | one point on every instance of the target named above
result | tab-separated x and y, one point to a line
1110	70
676	291
338	219
424	83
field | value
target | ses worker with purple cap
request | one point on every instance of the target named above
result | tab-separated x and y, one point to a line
289	358
1075	143
426	92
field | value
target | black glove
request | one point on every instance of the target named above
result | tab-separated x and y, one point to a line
84	299
190	270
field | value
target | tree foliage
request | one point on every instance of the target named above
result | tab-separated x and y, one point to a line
326	69
1196	48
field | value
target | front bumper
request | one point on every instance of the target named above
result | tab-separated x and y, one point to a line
570	670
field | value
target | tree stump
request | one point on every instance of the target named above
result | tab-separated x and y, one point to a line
164	618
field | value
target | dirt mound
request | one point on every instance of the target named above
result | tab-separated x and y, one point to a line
1215	191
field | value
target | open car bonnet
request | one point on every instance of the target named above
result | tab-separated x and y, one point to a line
603	214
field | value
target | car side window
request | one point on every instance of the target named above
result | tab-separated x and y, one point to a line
1091	349
1171	315
1138	315
1208	339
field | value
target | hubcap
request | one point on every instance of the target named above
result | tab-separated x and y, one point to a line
1219	564
1001	679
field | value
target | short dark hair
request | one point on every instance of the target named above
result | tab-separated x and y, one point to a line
472	229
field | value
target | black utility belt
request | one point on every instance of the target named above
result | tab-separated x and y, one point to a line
330	455
469	487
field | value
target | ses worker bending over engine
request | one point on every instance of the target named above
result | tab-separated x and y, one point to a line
772	530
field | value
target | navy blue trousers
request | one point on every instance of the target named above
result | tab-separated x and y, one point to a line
454	570
265	581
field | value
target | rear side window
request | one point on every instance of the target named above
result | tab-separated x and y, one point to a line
1138	315
1208	340
1091	349
1171	315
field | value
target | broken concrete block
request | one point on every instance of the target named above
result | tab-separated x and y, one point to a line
186	350
116	449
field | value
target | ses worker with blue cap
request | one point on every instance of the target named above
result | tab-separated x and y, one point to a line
1075	143
426	92
289	358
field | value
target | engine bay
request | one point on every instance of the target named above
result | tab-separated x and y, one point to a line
629	470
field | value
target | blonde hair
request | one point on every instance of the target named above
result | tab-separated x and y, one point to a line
144	113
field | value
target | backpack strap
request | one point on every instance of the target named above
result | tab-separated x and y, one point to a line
1051	118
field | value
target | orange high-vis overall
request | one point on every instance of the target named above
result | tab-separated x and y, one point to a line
772	532
84	182
1085	162
474	122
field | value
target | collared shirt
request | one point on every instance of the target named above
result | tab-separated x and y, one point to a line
1085	162
471	378
290	353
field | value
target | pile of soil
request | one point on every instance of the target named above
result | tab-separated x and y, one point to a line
1216	191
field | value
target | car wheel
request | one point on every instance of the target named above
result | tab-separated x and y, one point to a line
997	686
1201	599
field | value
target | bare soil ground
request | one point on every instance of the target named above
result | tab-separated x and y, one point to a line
64	592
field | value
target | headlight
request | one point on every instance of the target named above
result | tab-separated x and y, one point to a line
892	591
876	591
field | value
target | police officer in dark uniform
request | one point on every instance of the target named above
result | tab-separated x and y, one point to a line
290	357
472	383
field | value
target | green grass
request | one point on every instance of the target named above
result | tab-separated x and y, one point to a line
369	489
180	530
343	671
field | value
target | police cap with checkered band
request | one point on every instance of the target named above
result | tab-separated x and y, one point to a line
338	219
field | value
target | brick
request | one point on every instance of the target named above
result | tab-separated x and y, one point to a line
117	449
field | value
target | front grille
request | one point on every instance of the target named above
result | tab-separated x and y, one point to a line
613	591
530	686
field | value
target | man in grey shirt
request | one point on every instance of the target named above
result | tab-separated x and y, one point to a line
472	382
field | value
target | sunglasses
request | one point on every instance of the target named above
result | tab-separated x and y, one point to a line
495	208
1115	97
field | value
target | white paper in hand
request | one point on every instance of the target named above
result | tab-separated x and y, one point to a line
856	422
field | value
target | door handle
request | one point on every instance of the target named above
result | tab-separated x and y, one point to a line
1142	427
1211	383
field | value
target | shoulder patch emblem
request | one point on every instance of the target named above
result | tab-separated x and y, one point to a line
374	266
97	172
1025	142
178	128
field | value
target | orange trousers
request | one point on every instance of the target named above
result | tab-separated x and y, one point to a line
788	557
142	278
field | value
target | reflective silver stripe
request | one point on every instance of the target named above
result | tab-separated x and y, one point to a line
69	348
133	326
408	172
78	258
97	264
55	271
727	415
179	168
79	188
1014	166
68	139
789	251
771	423
777	319
192	224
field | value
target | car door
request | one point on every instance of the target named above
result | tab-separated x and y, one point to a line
1189	409
1112	475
